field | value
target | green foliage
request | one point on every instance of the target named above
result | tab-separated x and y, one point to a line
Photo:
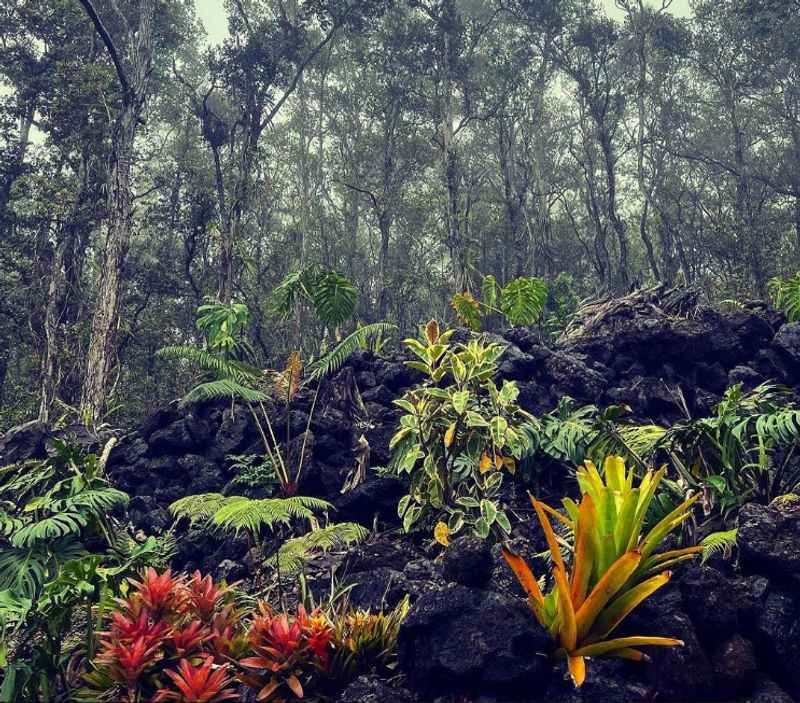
296	552
223	326
719	543
457	441
60	555
785	294
562	302
743	452
239	513
360	338
332	296
520	302
615	564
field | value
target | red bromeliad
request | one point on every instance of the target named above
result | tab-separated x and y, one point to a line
287	648
205	683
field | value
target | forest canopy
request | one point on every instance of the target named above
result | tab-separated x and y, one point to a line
395	152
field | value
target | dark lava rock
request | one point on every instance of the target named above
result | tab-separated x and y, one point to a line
376	496
746	376
202	475
712	601
574	377
147	514
468	561
767	691
735	666
172	439
24	442
676	673
371	689
609	680
777	635
464	640
769	536
787	340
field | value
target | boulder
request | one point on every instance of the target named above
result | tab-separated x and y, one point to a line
372	689
777	635
24	442
769	537
735	666
468	561
461	640
787	341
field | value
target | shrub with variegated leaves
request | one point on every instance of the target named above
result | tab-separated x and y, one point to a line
459	437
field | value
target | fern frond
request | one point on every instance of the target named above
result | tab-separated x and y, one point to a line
225	388
242	513
197	508
785	293
719	543
296	552
216	364
336	357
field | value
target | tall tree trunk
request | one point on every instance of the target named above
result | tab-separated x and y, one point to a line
101	356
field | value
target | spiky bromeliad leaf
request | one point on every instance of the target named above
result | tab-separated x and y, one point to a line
215	364
335	358
719	543
468	310
523	299
334	298
296	552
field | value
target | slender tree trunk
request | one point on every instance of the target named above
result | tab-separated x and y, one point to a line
101	356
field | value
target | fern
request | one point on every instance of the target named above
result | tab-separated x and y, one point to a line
786	295
719	543
224	388
336	357
294	553
522	300
241	513
216	364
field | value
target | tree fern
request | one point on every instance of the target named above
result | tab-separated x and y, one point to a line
241	513
336	357
225	388
214	363
522	300
719	543
296	552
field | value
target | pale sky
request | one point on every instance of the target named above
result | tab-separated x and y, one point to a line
212	13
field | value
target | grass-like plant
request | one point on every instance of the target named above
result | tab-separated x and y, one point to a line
614	566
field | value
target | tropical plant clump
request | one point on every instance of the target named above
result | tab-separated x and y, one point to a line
179	638
61	557
520	302
456	442
612	565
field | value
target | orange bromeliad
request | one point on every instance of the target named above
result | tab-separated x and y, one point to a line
614	567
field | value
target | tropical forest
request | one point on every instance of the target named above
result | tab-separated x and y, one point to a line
399	351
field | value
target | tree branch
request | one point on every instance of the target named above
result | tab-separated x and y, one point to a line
112	50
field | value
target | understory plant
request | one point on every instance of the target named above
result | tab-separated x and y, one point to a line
520	302
171	639
228	365
612	565
259	517
61	557
179	638
458	438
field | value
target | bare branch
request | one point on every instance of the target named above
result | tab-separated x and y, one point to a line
112	50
